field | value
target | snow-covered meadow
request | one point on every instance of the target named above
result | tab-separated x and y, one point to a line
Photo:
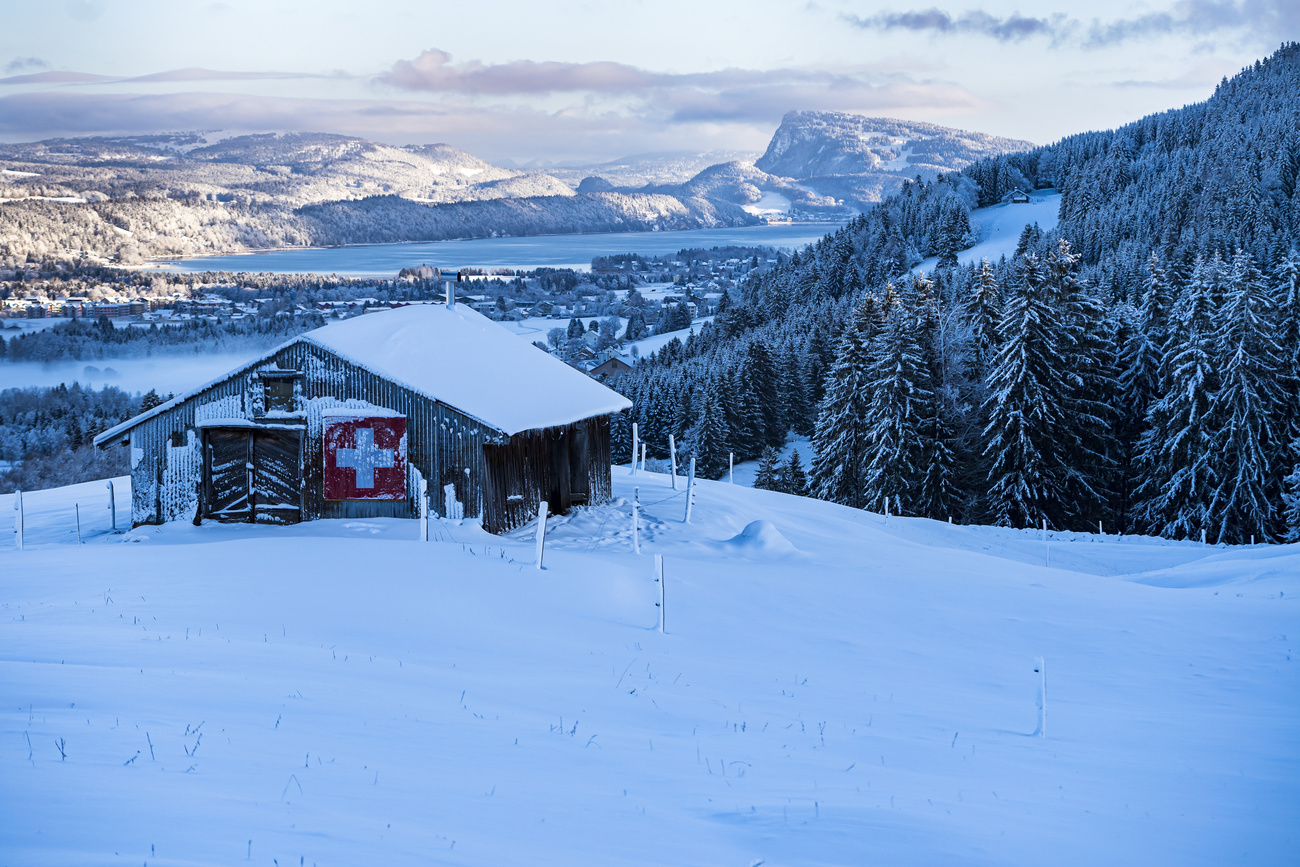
831	689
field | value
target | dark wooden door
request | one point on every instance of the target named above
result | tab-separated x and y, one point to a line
253	475
579	465
229	469
277	477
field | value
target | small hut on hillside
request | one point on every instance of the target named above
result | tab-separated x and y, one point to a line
348	420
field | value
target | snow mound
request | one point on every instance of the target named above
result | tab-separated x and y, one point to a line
759	537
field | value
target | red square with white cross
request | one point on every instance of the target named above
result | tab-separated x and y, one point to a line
365	455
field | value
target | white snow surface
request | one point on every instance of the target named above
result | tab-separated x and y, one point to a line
999	227
831	690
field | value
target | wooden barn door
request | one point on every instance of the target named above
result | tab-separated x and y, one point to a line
252	475
228	474
277	477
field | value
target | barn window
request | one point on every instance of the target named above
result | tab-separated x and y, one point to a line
178	439
277	391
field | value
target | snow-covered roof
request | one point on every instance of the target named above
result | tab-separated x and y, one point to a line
467	361
455	356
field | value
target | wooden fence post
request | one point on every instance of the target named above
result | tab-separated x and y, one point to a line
636	520
112	506
541	531
672	456
636	445
690	492
18	519
659	577
424	510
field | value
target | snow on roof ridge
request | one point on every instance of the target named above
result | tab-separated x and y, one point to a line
531	389
461	358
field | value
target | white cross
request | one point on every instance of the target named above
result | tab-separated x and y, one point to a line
365	458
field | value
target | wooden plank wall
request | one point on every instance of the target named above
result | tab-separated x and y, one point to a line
445	446
534	465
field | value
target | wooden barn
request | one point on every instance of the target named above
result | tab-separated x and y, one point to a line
355	419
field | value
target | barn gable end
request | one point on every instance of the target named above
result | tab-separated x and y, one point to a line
228	450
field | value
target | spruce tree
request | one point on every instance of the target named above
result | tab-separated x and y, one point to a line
767	476
707	440
1088	361
1027	425
1246	405
839	440
983	310
1175	454
796	481
895	415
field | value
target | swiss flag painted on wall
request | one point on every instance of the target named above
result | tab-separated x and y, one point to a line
365	456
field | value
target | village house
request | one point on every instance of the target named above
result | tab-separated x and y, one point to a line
358	418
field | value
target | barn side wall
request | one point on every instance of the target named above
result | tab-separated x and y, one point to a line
524	471
444	447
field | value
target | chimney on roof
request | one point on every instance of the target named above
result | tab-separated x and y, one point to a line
451	294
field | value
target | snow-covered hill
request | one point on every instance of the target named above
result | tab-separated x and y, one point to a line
832	689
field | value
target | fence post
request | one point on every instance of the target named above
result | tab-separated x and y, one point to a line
18	519
77	511
636	520
659	576
112	506
643	457
690	491
731	467
424	510
541	531
1042	697
635	447
1044	529
672	456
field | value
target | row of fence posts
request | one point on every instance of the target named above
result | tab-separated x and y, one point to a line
20	519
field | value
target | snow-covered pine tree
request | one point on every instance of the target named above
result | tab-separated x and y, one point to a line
1089	366
900	402
1027	424
760	380
707	440
796	480
767	478
1139	379
1247	406
1175	466
983	310
839	440
1286	455
1291	500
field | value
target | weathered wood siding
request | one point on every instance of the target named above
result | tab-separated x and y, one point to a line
165	479
565	466
494	477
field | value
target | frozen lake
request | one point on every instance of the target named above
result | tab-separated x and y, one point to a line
551	251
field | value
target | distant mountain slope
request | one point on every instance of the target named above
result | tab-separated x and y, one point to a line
864	159
660	168
170	195
812	143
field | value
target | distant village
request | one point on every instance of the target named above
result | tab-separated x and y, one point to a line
589	318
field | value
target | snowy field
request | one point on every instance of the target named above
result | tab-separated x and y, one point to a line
999	228
831	690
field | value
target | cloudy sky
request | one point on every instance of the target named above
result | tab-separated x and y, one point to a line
559	80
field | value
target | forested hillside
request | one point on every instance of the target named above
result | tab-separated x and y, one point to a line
1138	366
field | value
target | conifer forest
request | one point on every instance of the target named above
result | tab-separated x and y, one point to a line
1135	368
